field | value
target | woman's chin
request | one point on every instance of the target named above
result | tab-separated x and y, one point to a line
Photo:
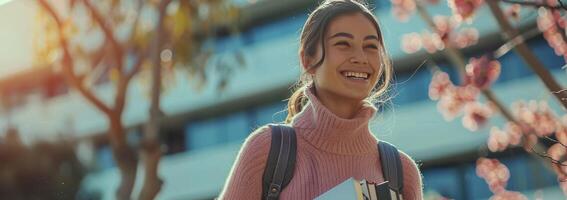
355	96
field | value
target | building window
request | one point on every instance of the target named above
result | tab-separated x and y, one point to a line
272	113
104	158
229	128
175	140
444	181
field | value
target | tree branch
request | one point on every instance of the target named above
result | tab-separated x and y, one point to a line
137	65
108	33
453	56
458	60
536	4
525	53
68	67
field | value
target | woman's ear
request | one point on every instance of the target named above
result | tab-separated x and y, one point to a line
306	62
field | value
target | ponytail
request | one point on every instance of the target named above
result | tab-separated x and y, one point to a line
295	103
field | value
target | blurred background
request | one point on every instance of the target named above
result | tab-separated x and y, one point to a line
170	90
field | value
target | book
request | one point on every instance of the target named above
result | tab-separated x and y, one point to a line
349	189
352	189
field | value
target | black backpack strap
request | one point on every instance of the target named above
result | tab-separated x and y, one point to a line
281	161
391	166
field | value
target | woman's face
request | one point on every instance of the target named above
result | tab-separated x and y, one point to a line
352	61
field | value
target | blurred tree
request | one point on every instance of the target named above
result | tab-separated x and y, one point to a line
43	170
528	123
115	40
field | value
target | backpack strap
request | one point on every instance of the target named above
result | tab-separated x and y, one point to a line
391	167
281	161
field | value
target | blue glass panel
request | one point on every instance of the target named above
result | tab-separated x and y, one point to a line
203	134
408	88
444	181
518	170
273	113
476	187
539	175
104	158
546	54
236	126
290	25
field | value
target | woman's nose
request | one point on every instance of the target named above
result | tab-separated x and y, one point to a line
359	58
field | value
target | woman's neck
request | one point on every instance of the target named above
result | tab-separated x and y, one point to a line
345	108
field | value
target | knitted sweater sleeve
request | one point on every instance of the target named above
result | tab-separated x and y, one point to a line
245	178
413	187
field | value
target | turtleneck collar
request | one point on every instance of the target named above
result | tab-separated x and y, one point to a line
331	133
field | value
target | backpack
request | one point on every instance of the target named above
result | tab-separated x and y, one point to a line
281	163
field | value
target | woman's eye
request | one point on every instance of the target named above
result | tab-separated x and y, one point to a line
371	46
346	44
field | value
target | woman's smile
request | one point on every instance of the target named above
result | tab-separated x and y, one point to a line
356	78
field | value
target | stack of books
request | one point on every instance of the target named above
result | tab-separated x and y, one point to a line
351	189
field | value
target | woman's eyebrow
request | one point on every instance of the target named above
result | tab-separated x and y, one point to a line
348	35
342	34
370	37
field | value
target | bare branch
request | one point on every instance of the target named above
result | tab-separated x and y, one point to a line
67	63
108	33
557	162
136	67
134	28
554	140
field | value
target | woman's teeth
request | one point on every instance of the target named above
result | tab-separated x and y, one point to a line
356	75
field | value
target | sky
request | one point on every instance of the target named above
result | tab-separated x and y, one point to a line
17	18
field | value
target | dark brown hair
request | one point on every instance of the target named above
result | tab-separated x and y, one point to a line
312	35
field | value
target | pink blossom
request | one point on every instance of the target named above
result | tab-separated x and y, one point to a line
450	107
432	42
538	116
553	25
411	42
508	195
482	72
452	102
514	132
402	9
439	85
494	173
464	9
476	115
466	37
467	93
445	27
498	140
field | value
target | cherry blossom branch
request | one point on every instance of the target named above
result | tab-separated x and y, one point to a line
512	43
526	54
537	4
458	60
453	56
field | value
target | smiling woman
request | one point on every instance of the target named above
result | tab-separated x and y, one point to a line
346	70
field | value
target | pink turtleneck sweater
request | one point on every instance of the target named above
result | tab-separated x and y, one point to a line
330	150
